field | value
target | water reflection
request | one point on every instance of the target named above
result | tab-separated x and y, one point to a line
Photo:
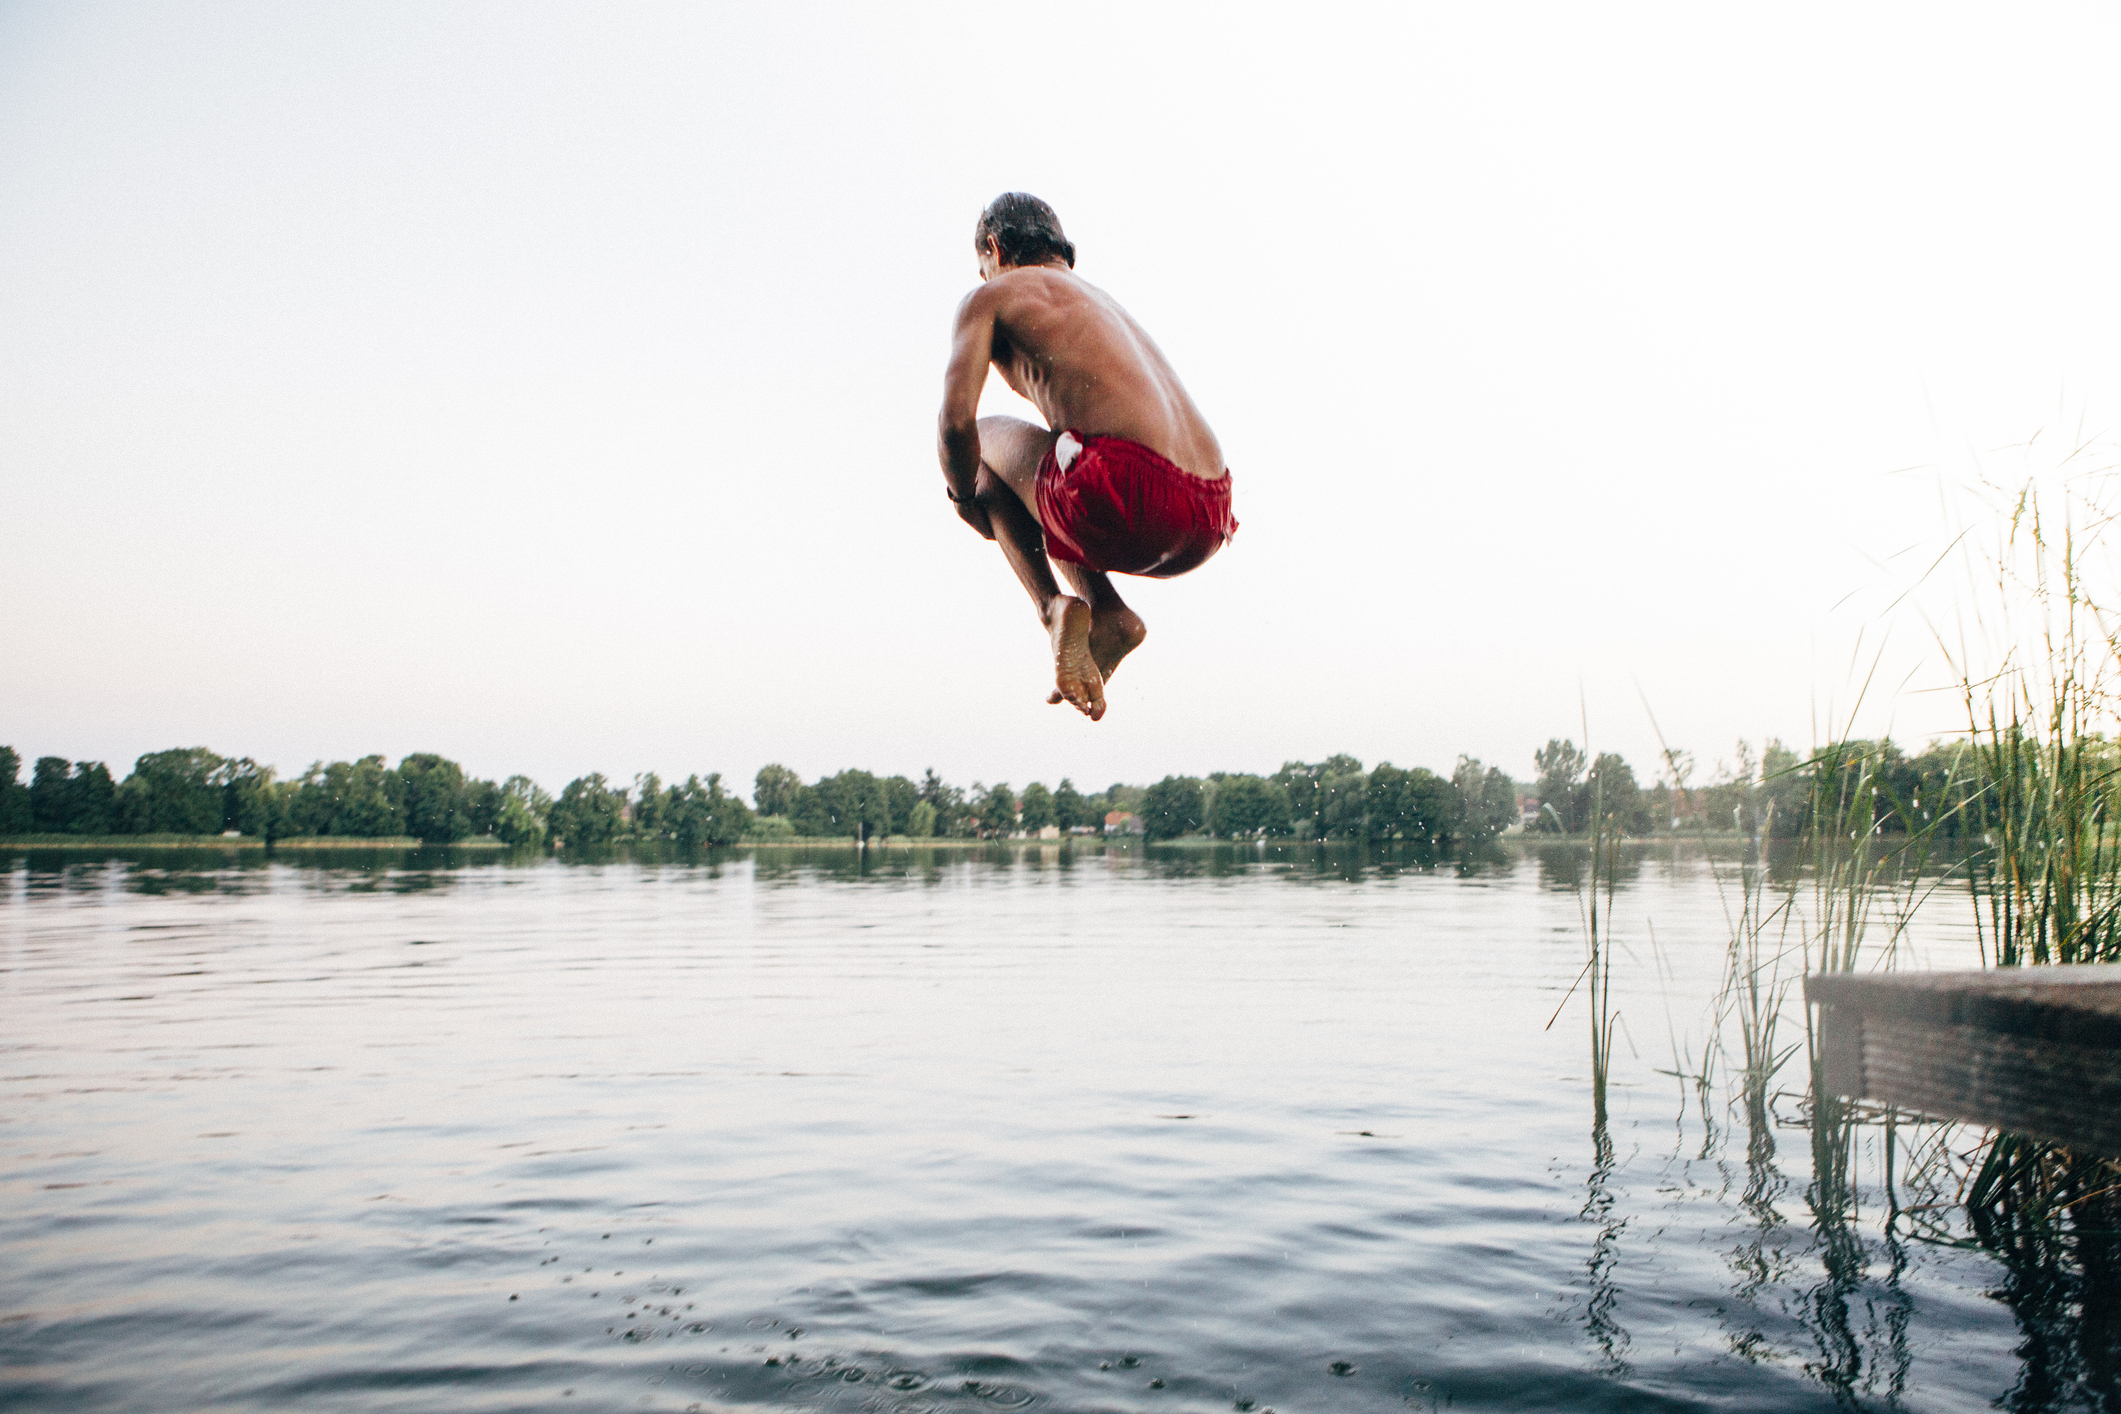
1602	1210
1565	865
2063	1286
419	869
1834	1294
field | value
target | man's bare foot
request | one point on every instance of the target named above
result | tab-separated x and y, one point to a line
1113	635
1076	679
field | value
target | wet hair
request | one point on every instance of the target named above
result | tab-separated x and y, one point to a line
1024	229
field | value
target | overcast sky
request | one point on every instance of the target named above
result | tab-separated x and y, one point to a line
553	386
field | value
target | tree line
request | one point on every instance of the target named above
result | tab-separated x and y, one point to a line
194	791
1333	798
1766	792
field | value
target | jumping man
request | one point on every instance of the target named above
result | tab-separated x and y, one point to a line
1125	478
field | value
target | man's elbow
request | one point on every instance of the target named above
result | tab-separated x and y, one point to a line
958	430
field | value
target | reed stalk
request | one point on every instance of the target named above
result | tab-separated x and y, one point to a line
1756	984
1605	842
1595	902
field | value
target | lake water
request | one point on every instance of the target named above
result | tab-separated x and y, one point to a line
1240	1129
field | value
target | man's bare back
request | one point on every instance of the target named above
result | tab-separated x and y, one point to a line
1126	476
1068	348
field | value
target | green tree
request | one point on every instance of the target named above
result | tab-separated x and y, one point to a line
1612	793
948	801
1070	810
774	789
809	814
702	814
362	799
309	808
51	805
96	810
1487	799
521	815
253	802
920	821
1388	807
1299	784
1561	766
1414	804
651	807
996	810
182	791
1431	806
1343	804
588	813
900	796
437	799
1247	806
1171	807
482	806
852	803
1305	784
14	796
73	799
1035	811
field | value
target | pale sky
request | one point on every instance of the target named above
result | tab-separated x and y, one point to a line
554	386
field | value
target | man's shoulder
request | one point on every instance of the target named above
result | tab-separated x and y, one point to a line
1030	293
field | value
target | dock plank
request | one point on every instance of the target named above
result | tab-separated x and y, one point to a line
2036	1050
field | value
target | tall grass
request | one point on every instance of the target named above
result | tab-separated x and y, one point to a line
2046	885
2049	886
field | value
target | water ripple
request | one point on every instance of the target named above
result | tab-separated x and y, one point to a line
1239	1130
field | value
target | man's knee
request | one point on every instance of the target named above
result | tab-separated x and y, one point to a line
998	425
1013	448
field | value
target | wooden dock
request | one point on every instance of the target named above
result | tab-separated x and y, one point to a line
2036	1050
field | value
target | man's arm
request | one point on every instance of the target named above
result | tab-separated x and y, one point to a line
957	428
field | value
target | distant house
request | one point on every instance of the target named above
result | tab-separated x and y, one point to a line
1049	832
1528	810
1122	822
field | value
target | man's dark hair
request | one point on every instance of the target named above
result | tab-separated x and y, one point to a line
1024	229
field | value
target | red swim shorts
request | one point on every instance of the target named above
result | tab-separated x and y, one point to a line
1116	506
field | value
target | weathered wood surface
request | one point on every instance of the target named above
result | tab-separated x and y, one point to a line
2031	1049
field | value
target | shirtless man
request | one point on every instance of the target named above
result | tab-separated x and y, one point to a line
1125	478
